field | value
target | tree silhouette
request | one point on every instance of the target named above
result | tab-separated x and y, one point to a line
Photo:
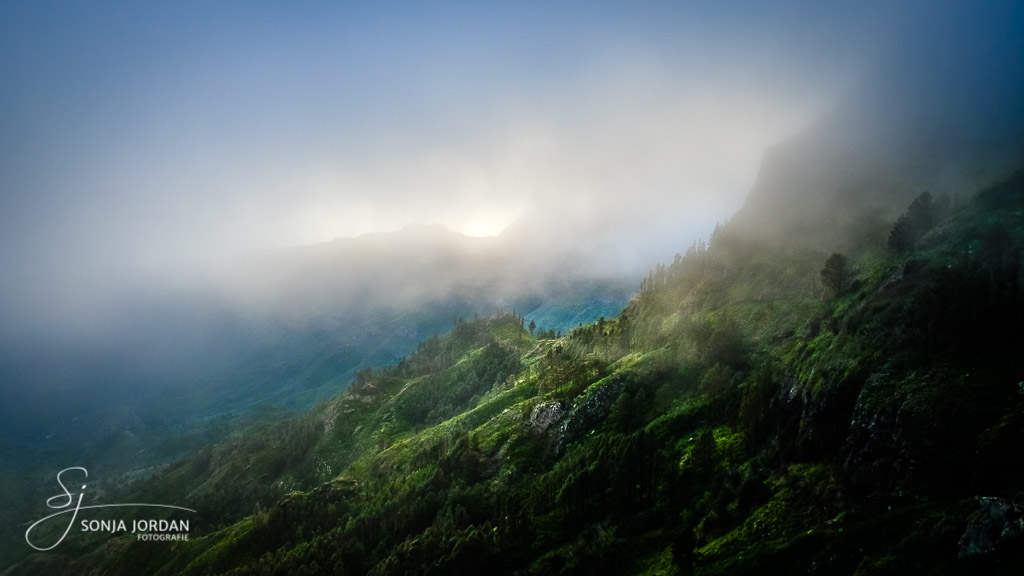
835	274
918	219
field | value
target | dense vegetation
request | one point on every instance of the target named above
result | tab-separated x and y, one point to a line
754	409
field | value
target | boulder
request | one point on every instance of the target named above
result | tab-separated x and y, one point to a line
997	520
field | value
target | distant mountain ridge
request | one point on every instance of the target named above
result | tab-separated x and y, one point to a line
740	416
758	414
283	328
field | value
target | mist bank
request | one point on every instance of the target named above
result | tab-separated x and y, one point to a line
942	115
286	327
939	111
281	328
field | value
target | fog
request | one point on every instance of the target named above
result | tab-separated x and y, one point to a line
143	149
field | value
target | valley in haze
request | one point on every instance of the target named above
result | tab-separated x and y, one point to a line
171	370
442	289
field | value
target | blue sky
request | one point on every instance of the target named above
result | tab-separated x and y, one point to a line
143	135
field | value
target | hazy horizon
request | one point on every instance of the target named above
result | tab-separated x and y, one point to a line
139	141
332	274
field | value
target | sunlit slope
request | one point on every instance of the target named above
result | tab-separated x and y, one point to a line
740	415
178	366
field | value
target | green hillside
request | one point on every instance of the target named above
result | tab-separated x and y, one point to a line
755	409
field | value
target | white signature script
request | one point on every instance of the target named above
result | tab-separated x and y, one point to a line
67	499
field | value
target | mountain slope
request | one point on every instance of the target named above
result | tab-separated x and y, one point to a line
737	417
172	369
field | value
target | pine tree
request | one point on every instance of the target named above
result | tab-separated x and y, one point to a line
835	274
913	224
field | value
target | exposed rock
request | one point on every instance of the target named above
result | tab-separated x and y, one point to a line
998	520
337	490
874	448
328	418
901	434
590	408
545	415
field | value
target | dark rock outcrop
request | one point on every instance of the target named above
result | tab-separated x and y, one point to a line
997	521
